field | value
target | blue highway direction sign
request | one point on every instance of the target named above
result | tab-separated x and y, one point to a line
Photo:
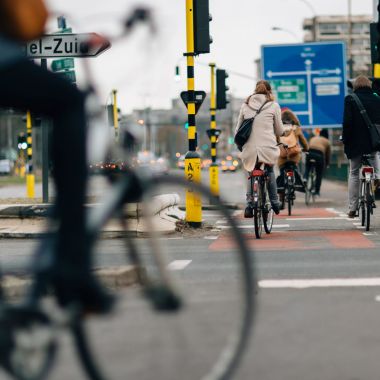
310	79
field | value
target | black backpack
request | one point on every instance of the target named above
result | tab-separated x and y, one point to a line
245	130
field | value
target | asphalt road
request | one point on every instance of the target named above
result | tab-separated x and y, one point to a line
317	313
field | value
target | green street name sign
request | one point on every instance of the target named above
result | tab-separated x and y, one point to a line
68	75
62	64
290	91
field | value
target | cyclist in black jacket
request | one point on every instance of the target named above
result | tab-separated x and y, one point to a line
356	137
26	86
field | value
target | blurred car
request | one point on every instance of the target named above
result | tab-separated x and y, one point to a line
230	164
8	156
111	166
149	161
181	162
205	164
6	166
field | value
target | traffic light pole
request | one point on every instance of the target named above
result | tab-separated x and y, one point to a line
376	66
192	158
214	170
45	151
115	115
29	176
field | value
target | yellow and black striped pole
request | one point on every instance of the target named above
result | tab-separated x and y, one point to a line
214	170
115	115
192	158
376	66
30	181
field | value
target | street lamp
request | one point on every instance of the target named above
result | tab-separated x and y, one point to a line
278	29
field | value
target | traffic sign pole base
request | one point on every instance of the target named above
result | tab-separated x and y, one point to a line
195	224
193	199
30	186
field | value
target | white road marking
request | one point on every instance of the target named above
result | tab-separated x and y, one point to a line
357	224
210	215
360	227
179	264
221	221
377	298
237	212
172	238
369	233
249	226
319	283
211	237
333	210
328	218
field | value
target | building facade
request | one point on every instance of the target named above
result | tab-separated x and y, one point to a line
354	30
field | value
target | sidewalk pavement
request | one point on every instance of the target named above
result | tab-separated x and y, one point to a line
29	220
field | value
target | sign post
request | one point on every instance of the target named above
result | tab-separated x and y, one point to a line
310	79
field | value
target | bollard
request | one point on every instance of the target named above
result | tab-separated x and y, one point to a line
30	180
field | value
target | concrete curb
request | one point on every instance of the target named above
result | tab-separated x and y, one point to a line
159	203
14	224
114	278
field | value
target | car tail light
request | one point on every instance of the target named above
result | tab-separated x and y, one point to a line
290	174
257	173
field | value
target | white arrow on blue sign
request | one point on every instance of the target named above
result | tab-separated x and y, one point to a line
67	45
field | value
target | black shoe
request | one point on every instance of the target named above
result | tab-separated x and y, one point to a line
276	208
248	212
85	291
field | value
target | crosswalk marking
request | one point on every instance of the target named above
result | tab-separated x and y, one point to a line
179	264
319	283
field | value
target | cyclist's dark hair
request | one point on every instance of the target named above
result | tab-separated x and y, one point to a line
288	117
324	133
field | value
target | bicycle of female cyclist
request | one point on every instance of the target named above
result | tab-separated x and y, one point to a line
167	317
310	186
289	195
366	195
263	213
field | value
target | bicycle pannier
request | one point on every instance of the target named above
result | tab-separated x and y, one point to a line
293	148
22	20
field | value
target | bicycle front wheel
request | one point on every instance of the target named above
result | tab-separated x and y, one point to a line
191	315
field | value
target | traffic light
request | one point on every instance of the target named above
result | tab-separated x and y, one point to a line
221	89
21	142
202	18
374	43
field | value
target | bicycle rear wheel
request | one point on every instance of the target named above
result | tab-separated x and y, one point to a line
209	268
369	201
268	213
362	205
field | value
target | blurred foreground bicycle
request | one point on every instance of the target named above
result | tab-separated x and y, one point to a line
199	318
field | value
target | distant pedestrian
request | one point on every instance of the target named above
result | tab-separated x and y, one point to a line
261	147
320	152
356	137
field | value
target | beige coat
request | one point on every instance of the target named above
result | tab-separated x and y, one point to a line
262	144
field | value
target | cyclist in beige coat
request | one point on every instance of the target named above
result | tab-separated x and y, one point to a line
261	146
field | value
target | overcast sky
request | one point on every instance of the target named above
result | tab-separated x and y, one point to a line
142	67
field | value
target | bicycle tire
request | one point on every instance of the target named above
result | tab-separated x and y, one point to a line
230	355
290	201
362	208
258	212
268	214
369	201
19	325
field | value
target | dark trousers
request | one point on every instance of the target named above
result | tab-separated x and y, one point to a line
318	156
298	185
26	86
